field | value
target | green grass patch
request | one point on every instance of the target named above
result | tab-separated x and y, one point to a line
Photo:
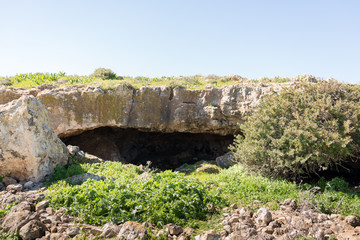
5	236
242	188
106	169
238	186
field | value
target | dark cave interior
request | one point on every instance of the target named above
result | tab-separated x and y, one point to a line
164	150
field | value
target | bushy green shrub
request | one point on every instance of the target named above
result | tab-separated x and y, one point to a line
335	184
5	81
302	130
104	73
167	197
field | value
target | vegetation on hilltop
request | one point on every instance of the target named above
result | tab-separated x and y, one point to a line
108	79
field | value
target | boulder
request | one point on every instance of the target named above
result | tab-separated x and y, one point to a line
353	221
9	180
226	160
14	188
208	168
78	179
72	231
32	230
288	205
173	229
110	230
14	221
73	150
264	216
29	148
42	205
9	198
28	185
132	231
208	235
23	206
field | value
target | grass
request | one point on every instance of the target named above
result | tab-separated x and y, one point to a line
5	236
107	169
164	197
30	80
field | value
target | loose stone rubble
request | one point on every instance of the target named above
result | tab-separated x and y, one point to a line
31	218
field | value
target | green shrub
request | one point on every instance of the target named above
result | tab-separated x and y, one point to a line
105	74
1	177
5	81
167	197
302	130
335	184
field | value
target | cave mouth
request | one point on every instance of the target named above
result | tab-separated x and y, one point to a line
164	150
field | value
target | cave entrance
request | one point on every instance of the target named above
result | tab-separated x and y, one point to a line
164	150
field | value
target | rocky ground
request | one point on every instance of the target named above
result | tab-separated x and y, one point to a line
31	218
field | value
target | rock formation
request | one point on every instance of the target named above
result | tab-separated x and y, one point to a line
74	109
29	148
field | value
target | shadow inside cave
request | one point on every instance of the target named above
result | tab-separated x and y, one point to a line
164	150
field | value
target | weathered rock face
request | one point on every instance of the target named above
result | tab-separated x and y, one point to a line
74	109
29	148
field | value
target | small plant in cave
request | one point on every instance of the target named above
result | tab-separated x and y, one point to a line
302	131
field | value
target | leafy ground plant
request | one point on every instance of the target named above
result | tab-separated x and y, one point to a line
164	198
184	199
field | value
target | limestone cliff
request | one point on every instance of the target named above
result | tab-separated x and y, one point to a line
74	109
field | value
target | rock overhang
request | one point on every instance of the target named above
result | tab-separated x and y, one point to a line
75	109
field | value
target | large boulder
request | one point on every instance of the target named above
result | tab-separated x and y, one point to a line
29	148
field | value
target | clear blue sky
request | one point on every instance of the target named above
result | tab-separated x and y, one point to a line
156	38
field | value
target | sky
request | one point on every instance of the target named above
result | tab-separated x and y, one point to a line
253	38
